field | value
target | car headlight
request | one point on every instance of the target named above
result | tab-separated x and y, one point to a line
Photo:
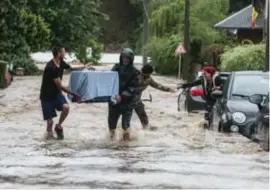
239	117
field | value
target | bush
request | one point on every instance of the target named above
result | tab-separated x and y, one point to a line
161	51
97	48
207	52
243	57
26	63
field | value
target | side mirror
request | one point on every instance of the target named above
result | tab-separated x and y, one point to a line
217	94
256	99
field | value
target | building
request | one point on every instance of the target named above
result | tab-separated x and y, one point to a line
239	24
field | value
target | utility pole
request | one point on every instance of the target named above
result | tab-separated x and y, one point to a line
266	29
145	29
187	41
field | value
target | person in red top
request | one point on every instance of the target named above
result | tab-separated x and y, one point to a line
210	82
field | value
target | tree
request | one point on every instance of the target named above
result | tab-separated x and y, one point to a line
34	25
124	21
167	19
72	22
21	31
235	6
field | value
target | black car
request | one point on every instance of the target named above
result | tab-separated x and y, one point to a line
260	129
233	112
189	103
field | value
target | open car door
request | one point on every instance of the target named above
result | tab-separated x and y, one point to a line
194	97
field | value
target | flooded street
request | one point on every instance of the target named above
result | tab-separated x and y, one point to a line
176	152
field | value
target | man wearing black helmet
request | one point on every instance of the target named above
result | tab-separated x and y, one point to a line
125	101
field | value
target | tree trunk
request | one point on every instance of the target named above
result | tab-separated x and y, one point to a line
185	71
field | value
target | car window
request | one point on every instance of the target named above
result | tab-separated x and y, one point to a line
248	85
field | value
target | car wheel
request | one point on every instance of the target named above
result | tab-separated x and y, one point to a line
246	131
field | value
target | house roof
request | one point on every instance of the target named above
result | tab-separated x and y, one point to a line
241	19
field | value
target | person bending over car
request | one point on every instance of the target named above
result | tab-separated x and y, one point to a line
210	82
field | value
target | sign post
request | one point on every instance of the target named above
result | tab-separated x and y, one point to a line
89	52
179	51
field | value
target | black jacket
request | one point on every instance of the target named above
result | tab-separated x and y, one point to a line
217	82
128	85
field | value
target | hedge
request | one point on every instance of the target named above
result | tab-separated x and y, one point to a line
244	57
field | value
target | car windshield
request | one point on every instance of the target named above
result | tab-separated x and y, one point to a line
247	85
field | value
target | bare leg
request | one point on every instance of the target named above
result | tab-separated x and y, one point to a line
63	116
49	125
49	134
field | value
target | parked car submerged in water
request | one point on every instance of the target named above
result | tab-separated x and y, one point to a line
260	129
233	112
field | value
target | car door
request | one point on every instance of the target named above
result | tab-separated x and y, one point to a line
221	102
195	103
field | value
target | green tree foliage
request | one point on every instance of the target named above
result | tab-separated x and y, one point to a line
72	22
96	49
20	32
32	25
208	51
244	57
235	6
125	17
167	19
162	55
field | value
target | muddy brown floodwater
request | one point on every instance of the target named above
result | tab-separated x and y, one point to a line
176	152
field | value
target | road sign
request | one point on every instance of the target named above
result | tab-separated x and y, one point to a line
180	49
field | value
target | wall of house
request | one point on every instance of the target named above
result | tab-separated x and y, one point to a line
256	35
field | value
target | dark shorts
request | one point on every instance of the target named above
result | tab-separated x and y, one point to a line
49	107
